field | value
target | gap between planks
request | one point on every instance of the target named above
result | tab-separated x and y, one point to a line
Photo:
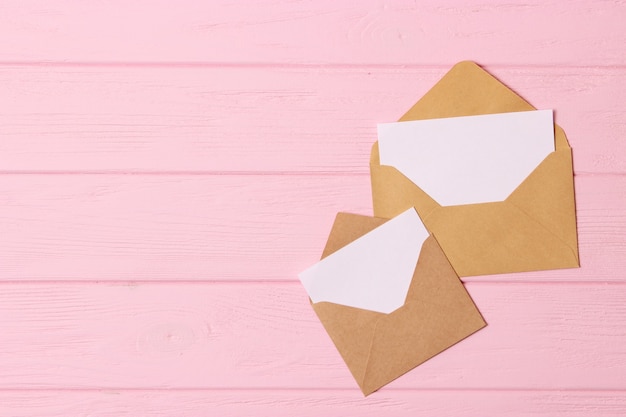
262	282
313	403
237	173
356	391
285	65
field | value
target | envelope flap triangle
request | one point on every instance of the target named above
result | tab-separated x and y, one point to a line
469	90
466	90
347	228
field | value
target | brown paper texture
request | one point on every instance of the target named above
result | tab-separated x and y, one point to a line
533	229
378	348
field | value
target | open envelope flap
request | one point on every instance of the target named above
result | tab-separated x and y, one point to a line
538	218
438	313
466	90
347	228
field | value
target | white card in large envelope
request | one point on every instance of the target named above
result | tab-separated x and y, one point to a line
375	271
471	159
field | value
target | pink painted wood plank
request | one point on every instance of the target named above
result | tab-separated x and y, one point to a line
331	403
266	336
112	227
520	32
234	120
247	227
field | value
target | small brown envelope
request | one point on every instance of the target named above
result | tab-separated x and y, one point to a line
437	313
534	228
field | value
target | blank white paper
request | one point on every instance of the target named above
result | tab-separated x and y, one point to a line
472	159
374	272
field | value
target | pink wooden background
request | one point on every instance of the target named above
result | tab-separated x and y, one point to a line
167	168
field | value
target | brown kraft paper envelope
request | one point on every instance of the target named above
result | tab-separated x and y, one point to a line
532	229
377	347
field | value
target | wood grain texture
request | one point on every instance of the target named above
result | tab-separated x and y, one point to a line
266	336
331	403
169	227
518	32
219	120
245	227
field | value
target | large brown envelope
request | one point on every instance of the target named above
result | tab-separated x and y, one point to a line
533	229
377	347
